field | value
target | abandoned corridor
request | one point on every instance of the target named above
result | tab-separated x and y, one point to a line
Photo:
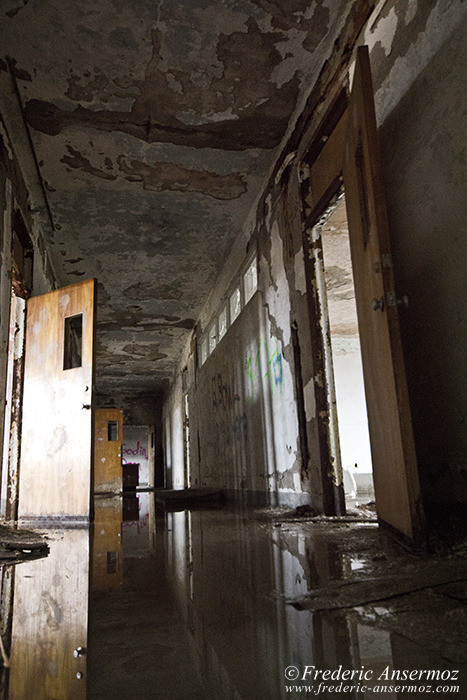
235	228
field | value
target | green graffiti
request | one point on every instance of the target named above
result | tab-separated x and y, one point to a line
274	371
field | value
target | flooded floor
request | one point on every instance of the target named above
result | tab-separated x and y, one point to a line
229	603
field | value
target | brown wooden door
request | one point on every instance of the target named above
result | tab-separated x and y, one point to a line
56	441
108	435
396	482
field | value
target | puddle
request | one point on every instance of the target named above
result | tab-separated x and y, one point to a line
200	604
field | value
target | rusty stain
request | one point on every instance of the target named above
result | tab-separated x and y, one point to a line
86	92
175	178
77	161
141	291
148	351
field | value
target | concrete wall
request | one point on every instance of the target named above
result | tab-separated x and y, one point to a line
251	444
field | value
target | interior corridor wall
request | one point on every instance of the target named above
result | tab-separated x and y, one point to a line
242	403
415	50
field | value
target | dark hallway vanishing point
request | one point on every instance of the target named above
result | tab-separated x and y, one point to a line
232	336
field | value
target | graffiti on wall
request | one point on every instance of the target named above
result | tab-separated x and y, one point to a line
273	371
223	394
227	403
138	451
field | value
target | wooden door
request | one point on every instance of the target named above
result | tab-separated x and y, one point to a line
50	620
55	471
108	435
397	489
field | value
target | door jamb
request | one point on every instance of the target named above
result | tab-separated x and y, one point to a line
328	138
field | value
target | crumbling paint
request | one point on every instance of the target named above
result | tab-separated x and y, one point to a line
77	161
169	176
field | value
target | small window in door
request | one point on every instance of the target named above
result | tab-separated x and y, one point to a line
73	343
112	431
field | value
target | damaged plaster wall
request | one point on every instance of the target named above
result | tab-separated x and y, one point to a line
242	401
15	193
413	46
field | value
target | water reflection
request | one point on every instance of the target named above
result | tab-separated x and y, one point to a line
50	620
107	566
197	604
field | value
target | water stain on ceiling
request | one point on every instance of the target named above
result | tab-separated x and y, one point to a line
154	125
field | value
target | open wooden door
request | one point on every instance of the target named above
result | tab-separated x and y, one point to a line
397	489
56	454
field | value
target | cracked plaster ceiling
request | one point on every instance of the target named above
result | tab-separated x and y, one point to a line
154	125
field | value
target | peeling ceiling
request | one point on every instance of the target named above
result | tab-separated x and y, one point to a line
154	125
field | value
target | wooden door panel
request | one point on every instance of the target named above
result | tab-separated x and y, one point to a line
394	463
55	472
108	432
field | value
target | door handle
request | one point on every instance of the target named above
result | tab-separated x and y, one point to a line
86	406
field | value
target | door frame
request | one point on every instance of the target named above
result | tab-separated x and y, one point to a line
321	177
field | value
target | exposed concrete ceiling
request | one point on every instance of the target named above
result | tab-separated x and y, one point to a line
154	125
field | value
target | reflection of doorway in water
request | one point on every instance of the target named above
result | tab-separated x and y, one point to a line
350	442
